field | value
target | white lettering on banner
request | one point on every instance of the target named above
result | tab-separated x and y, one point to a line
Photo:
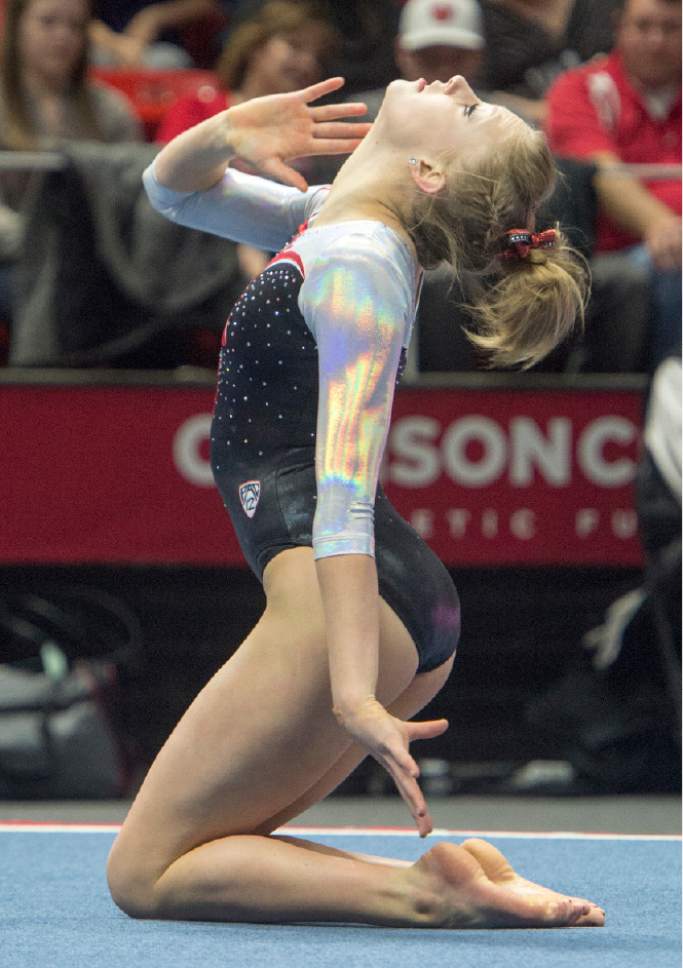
490	466
586	522
489	523
521	523
187	454
624	523
422	519
614	473
416	459
412	438
529	448
458	519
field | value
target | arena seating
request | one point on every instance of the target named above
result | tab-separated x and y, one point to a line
152	92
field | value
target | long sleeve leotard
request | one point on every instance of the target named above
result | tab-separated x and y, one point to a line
356	284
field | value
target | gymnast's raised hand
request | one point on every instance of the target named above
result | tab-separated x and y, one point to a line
266	132
270	130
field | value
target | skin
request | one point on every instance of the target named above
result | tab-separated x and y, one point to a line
127	48
424	122
50	39
553	14
151	21
286	62
328	675
440	60
437	61
649	40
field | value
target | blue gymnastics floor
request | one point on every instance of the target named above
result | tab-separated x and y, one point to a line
55	911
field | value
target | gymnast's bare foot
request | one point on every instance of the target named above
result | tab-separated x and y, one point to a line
469	898
499	870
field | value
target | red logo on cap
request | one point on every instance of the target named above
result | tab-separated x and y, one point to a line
442	12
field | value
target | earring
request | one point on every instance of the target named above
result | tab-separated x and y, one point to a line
412	161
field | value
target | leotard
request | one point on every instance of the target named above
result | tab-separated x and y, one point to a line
310	358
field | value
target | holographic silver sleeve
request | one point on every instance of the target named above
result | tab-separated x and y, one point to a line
241	207
358	305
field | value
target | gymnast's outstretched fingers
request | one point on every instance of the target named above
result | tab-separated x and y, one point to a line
387	739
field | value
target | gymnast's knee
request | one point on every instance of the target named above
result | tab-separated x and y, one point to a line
132	888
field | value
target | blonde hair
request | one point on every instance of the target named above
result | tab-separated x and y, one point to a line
272	20
19	129
524	307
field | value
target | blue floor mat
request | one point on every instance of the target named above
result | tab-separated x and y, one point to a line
55	912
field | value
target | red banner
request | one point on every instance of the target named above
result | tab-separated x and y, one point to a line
495	477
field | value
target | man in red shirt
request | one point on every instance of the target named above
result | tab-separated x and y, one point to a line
625	109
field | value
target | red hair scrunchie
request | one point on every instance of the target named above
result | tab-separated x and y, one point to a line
519	242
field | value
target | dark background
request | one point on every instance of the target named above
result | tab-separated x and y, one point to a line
522	630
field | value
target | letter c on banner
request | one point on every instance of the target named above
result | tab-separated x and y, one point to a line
615	473
187	454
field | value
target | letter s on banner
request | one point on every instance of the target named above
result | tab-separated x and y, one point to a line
187	454
412	438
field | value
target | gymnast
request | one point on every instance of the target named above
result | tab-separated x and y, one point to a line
362	620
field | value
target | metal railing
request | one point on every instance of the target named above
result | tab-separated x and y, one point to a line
56	161
32	161
191	376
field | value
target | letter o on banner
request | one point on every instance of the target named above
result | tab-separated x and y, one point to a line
187	454
489	435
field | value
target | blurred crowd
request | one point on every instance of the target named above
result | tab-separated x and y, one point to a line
88	91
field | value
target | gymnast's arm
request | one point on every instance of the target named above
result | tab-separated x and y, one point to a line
359	306
241	207
190	182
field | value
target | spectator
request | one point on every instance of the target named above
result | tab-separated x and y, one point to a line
283	46
137	33
530	42
46	99
367	30
436	41
625	109
45	96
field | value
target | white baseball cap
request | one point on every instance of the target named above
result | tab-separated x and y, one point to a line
441	23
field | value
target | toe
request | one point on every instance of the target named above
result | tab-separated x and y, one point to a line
594	918
494	864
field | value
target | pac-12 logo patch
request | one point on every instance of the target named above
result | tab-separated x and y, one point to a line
249	493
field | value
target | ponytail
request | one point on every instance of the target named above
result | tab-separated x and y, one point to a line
532	307
530	298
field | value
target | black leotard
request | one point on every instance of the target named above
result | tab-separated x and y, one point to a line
306	379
